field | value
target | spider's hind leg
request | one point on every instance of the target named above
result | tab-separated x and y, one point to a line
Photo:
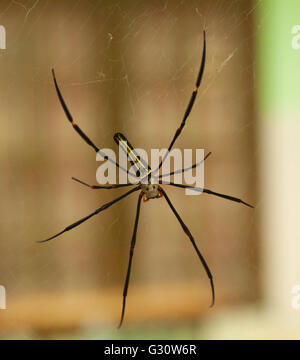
113	186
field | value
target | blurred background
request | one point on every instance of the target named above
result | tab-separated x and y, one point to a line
131	66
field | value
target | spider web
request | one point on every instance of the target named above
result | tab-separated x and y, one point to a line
130	67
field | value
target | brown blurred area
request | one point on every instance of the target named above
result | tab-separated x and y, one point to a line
125	66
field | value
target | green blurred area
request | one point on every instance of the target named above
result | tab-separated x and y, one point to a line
277	61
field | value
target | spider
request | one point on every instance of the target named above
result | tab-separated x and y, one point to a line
148	189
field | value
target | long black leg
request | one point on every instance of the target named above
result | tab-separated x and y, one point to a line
103	207
113	186
191	102
207	191
185	169
77	128
133	240
187	231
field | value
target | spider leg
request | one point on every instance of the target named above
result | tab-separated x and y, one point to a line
207	191
185	169
191	102
103	207
188	233
113	186
132	245
77	128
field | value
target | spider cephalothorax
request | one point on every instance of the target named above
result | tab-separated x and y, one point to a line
151	191
147	190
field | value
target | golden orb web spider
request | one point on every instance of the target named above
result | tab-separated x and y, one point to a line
148	190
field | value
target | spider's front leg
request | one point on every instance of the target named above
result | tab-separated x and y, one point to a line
97	211
188	233
132	245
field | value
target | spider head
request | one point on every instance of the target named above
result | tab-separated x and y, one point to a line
151	191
